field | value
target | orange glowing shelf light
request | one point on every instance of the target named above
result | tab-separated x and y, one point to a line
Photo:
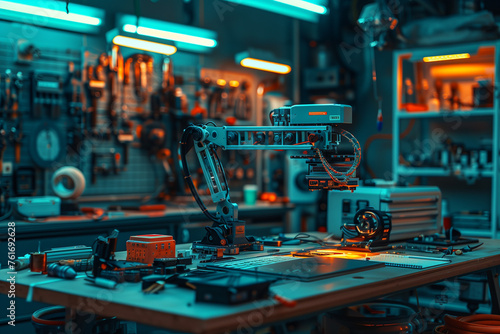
446	57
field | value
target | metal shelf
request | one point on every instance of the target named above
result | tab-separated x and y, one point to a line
445	113
486	55
437	171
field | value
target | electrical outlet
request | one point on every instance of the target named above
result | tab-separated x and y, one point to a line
7	168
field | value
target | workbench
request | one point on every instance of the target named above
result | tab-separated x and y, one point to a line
175	220
175	308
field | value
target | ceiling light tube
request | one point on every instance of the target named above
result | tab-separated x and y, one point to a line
307	10
306	5
169	35
184	37
262	60
265	65
143	45
53	14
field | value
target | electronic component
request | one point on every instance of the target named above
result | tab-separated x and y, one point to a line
78	265
25	181
132	275
39	261
146	248
413	210
104	257
113	275
370	228
105	163
227	288
46	94
167	266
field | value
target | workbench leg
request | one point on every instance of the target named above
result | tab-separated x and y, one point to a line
492	275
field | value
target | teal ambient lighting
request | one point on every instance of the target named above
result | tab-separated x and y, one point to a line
307	10
184	37
306	5
52	14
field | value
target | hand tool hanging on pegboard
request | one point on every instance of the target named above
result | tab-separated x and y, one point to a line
46	93
142	65
3	145
121	124
94	89
16	131
168	84
75	98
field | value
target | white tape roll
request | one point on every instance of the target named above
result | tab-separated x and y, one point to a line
68	182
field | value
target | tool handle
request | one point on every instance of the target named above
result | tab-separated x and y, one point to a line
285	301
17	147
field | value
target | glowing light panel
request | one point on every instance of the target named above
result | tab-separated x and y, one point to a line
53	14
184	37
264	65
307	10
446	57
306	5
144	45
170	35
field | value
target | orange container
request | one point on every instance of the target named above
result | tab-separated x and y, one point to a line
145	248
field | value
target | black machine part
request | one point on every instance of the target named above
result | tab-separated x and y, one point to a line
104	251
369	226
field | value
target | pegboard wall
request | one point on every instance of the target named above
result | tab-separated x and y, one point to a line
108	148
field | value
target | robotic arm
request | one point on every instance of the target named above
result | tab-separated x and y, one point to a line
311	128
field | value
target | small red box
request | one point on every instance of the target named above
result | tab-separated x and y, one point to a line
145	248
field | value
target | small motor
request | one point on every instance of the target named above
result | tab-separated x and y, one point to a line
370	228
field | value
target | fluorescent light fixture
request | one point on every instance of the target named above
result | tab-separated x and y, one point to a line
307	10
144	45
262	60
446	57
184	37
306	5
52	14
173	36
265	65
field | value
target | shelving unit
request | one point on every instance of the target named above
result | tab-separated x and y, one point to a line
441	97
